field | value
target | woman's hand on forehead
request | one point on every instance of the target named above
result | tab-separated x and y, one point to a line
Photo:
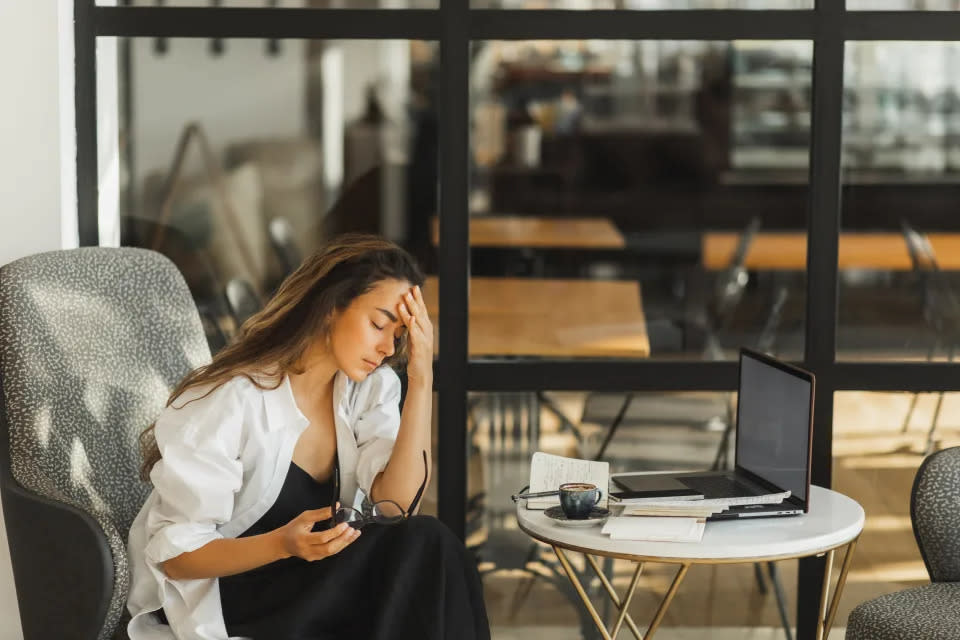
416	322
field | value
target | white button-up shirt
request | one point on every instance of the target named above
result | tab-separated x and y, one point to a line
224	461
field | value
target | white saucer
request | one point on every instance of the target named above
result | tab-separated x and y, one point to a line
599	515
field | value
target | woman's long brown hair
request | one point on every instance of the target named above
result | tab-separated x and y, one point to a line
270	343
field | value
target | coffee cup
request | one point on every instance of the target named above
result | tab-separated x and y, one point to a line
577	499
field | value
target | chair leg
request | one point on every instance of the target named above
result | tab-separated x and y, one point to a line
781	599
928	449
777	591
472	446
768	334
534	425
607	602
758	576
524	588
722	459
929	446
906	420
588	629
612	429
913	403
565	422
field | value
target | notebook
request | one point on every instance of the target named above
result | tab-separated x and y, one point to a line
548	472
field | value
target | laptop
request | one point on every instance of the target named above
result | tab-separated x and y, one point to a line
774	436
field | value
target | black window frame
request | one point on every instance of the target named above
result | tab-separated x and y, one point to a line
828	25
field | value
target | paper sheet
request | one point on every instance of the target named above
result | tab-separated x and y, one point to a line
655	529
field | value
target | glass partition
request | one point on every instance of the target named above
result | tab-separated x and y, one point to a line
901	177
238	165
639	199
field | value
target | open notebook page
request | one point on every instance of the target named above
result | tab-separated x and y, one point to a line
548	472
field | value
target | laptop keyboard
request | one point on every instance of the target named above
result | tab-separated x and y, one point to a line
717	486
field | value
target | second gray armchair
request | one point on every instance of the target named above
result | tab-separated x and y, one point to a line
931	611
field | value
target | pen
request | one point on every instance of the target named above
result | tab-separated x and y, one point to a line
540	494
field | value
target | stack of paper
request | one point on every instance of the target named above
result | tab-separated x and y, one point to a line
693	509
655	529
618	497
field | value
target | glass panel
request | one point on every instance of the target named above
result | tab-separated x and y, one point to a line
525	589
613	186
237	166
280	4
875	462
901	175
280	153
642	4
904	5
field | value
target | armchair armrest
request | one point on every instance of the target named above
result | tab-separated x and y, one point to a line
62	565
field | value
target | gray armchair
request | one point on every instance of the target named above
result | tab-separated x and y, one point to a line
932	611
91	342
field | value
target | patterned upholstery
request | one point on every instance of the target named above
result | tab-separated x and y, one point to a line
93	340
935	512
930	612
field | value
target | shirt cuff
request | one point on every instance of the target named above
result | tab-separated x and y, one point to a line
172	540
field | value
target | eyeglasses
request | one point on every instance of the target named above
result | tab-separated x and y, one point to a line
379	512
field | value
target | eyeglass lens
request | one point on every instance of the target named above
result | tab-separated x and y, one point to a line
383	512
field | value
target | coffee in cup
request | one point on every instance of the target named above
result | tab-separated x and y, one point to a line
577	499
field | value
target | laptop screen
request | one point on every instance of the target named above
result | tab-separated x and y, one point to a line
773	423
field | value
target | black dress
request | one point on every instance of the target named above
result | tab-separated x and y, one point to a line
410	580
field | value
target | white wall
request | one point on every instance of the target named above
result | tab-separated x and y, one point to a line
240	95
244	94
30	171
37	188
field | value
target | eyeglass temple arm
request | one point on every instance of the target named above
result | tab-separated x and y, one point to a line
423	485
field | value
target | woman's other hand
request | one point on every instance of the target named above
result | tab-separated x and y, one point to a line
299	540
413	312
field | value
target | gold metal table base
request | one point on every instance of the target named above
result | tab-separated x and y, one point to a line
824	618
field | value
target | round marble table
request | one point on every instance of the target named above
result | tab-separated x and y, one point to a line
834	521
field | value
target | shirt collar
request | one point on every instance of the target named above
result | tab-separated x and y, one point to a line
282	410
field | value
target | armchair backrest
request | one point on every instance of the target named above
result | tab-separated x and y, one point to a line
92	342
935	513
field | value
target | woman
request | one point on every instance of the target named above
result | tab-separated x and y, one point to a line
256	451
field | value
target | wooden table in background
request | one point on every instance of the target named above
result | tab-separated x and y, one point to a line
551	318
539	233
787	251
